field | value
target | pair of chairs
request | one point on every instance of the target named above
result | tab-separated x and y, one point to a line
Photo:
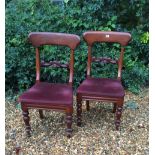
44	95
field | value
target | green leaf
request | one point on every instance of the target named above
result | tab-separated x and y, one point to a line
113	26
66	1
18	106
131	105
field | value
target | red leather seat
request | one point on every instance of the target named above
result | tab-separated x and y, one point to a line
48	93
101	87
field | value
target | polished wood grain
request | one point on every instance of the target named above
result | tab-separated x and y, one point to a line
107	36
37	65
50	38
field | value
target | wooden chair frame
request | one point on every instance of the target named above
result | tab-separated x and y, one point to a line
45	38
99	36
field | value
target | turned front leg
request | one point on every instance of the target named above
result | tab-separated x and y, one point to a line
26	119
118	114
69	124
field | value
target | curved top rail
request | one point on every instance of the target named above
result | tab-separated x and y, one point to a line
107	36
50	38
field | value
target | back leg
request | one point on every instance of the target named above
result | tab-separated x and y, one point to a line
87	105
41	113
79	110
114	108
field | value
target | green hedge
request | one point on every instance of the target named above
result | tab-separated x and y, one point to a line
75	16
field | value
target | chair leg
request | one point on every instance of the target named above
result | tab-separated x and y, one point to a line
26	119
41	114
79	110
87	105
69	124
118	114
114	108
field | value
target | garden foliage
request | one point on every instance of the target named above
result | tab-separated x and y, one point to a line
75	16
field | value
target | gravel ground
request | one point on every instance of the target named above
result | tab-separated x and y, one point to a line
96	137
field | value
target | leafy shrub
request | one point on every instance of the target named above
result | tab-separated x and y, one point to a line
77	16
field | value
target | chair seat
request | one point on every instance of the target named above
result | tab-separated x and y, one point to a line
44	93
101	87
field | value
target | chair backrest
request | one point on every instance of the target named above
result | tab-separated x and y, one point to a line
39	39
106	36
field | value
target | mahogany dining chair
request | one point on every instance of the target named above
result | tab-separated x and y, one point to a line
103	89
45	95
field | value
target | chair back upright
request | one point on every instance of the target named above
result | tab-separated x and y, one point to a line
106	36
38	39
